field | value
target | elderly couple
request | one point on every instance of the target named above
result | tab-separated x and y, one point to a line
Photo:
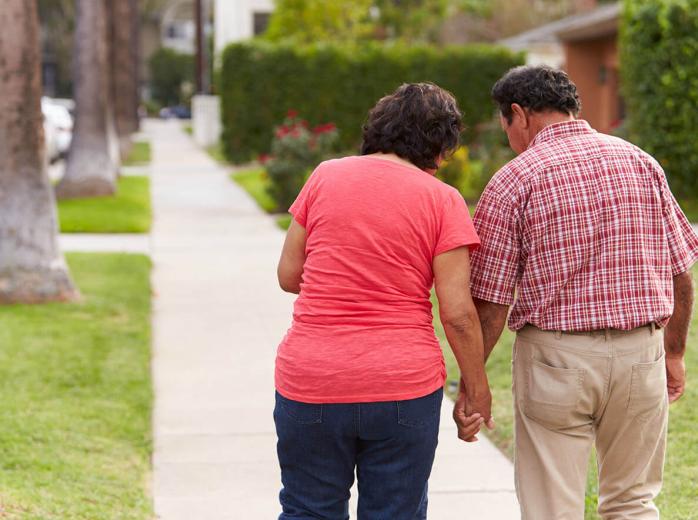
579	237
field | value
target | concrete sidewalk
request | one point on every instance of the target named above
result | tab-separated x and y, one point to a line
218	318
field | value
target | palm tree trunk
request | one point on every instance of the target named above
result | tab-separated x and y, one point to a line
93	159
32	269
123	16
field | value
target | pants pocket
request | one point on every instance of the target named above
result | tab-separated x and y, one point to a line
552	394
300	413
419	412
648	390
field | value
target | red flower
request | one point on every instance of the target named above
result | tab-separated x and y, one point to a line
292	114
264	158
322	129
282	131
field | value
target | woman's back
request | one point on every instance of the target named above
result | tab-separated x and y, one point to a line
362	326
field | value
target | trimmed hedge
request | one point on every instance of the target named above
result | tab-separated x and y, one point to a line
659	57
261	82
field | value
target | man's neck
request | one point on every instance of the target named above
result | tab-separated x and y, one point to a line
543	119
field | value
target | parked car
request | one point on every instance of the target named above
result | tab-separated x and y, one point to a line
58	128
179	112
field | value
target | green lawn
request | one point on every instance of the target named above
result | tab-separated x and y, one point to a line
75	425
139	154
216	153
127	212
680	494
255	182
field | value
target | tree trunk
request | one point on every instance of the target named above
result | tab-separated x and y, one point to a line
93	159
123	16
32	268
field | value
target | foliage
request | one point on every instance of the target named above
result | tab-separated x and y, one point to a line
126	212
75	435
679	493
172	76
296	150
260	82
308	21
139	154
464	174
659	45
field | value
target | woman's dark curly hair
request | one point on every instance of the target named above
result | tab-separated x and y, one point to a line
419	122
537	88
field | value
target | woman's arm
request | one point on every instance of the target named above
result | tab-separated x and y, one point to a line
290	270
462	326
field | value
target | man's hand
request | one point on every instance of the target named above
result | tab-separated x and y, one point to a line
469	415
676	377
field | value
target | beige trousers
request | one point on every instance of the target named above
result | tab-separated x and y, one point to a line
574	389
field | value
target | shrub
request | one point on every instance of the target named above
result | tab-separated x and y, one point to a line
464	174
261	81
296	149
659	45
172	74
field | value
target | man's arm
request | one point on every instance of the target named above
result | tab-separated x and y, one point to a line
493	317
675	335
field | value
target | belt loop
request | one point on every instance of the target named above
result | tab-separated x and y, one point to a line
653	327
607	334
558	334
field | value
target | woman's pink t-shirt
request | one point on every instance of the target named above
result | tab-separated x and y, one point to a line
362	325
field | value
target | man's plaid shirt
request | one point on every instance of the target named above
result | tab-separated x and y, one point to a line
583	229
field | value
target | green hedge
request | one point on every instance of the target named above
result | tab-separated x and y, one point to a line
260	82
659	57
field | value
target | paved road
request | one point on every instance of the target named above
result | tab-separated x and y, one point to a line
218	317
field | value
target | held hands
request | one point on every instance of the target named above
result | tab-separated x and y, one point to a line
675	377
471	411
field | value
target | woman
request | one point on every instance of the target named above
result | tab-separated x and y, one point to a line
359	375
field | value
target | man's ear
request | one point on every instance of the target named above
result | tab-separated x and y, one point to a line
519	112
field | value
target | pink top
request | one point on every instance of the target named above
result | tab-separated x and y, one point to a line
362	325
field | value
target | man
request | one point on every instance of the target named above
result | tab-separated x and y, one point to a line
581	234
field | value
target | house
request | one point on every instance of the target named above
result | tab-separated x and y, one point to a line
237	20
586	46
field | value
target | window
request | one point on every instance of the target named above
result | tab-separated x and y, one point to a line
260	22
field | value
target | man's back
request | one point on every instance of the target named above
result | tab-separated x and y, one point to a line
592	216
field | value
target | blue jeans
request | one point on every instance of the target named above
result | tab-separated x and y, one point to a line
390	444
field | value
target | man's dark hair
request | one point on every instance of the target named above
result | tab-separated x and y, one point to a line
419	122
538	89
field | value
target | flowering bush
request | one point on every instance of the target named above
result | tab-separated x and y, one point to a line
463	174
296	149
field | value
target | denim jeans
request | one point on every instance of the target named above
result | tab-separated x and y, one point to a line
390	444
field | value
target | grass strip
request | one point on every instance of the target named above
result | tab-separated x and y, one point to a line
128	211
75	423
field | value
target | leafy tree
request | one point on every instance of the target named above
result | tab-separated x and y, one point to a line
170	71
308	21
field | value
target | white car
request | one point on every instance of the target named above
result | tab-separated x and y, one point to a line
58	128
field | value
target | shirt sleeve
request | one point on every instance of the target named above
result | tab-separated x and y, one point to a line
300	207
495	265
681	237
457	229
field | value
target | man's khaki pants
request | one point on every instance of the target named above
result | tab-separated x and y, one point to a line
573	389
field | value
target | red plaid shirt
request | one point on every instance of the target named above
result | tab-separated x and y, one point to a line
583	228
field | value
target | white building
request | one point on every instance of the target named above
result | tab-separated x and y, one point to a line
237	20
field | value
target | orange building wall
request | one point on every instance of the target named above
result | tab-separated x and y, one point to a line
593	66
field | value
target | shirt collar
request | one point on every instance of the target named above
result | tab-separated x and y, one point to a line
561	130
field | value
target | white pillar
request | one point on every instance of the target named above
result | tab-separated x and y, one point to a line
206	119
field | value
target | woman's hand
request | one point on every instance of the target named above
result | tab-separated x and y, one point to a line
469	413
